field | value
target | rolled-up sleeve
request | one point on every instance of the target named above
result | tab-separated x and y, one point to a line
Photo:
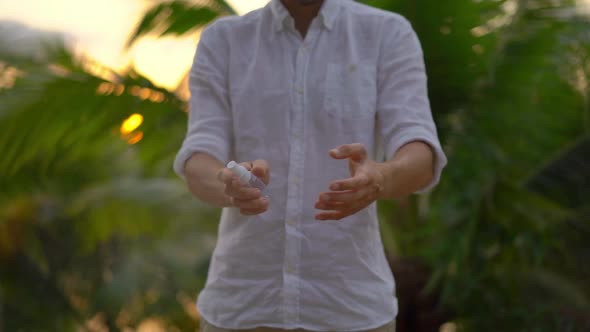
209	120
403	108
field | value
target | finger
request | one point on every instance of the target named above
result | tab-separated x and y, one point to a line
331	206
338	215
260	204
349	196
331	215
247	165
246	212
261	169
225	175
253	212
237	190
354	183
356	152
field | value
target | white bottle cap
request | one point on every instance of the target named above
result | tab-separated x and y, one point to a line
240	171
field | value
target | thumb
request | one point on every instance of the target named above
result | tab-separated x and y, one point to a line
356	152
258	172
261	170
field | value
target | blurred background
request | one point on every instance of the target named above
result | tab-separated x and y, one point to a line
98	234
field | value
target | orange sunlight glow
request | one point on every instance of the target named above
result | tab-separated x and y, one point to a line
135	138
108	88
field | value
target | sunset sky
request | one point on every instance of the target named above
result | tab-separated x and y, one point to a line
99	28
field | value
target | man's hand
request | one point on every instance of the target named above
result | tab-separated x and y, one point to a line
349	196
249	200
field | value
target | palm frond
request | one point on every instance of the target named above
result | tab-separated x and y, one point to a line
179	17
60	106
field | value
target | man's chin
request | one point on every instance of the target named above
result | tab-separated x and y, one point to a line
308	2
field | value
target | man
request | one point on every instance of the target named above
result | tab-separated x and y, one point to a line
312	96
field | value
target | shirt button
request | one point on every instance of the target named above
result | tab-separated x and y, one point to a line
299	91
291	222
295	179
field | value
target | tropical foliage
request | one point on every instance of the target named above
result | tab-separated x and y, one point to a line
96	232
509	85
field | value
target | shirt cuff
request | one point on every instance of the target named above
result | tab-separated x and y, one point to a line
189	149
440	158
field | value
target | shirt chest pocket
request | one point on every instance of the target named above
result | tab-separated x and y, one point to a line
351	90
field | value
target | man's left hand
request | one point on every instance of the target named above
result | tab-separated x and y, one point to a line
349	196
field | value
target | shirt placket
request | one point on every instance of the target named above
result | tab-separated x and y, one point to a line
293	236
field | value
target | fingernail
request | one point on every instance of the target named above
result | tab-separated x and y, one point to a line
325	198
337	152
334	187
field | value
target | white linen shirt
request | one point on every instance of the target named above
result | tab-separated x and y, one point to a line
260	91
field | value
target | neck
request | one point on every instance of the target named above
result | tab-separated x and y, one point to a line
303	12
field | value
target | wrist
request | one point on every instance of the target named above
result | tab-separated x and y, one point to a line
386	181
381	180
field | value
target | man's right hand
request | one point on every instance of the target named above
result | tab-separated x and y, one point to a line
248	199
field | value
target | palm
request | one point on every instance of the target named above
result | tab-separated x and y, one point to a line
77	201
81	210
355	167
179	18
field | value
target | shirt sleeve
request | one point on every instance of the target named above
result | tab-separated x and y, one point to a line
403	108
209	120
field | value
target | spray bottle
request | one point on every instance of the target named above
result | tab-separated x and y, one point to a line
246	177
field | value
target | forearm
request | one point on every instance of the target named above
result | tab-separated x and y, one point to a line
410	169
202	180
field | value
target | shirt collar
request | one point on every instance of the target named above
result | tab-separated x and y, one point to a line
327	13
